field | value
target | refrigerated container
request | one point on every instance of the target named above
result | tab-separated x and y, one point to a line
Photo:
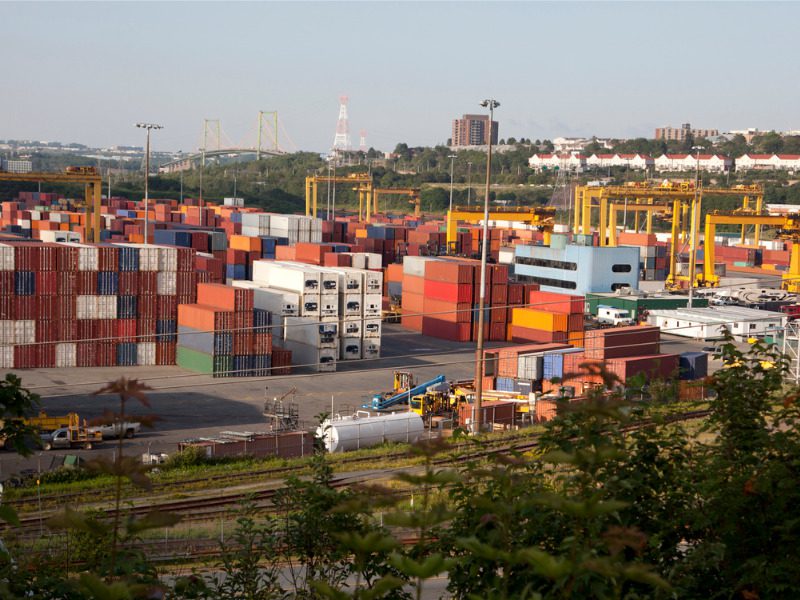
273	300
370	348
329	306
351	327
371	328
373	305
312	357
351	305
302	280
350	348
311	332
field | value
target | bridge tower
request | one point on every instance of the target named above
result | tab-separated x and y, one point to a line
261	114
362	140
213	126
342	139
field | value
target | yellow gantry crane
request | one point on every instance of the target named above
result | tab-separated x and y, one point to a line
413	193
362	180
542	217
86	176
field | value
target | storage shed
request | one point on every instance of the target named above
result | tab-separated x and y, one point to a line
710	323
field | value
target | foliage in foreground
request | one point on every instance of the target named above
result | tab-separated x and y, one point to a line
604	508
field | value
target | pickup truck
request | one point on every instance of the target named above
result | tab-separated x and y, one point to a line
112	430
71	437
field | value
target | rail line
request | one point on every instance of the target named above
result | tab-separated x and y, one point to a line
208	508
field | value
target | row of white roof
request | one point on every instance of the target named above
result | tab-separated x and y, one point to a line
665	162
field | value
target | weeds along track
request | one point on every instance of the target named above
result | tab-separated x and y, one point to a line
204	508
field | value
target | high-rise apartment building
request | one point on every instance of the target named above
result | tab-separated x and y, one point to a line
473	130
681	133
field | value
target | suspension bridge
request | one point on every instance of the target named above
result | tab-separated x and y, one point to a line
216	146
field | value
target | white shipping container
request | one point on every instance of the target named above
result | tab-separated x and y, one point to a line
251	231
309	306
275	301
146	354
6	357
372	329
530	366
106	307
415	265
370	348
59	236
373	282
166	283
25	332
66	354
329	305
351	281
311	332
286	277
6	257
350	327
148	256
358	260
350	348
167	258
88	259
374	261
312	358
351	305
373	305
8	332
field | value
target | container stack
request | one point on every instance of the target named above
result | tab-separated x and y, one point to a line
440	298
223	334
549	317
345	304
520	368
84	305
292	228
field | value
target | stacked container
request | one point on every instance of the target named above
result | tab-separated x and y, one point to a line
549	317
81	305
223	334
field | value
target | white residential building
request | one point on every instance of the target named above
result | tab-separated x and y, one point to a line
689	162
638	162
600	161
576	145
789	162
571	162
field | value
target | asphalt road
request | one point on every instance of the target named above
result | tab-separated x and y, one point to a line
188	405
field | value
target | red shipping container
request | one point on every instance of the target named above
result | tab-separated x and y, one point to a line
67	259
499	294
85	354
104	330
46	283
225	297
26	356
46	356
128	283
147	307
107	258
262	343
86	283
412	311
185	259
167	307
47	331
525	334
448	311
186	283
26	307
165	353
146	330
126	330
8	307
67	330
243	342
6	283
242	321
452	271
85	329
662	367
621	342
448	292
438	328
281	362
148	283
496	314
497	331
575	322
47	306
67	284
106	354
553	302
413	285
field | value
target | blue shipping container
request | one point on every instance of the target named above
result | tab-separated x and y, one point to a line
107	283
24	283
128	259
166	330
261	365
242	365
262	319
126	354
235	272
126	307
693	365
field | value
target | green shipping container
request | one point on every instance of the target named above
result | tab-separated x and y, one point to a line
635	304
218	366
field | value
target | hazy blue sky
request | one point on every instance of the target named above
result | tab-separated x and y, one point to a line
87	71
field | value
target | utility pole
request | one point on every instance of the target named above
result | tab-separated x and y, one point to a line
695	219
148	127
469	183
491	104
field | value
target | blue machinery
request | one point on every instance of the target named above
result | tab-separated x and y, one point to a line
383	401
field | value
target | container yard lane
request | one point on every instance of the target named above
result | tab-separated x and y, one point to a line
190	405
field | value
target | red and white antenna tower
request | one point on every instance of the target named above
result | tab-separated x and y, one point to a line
362	140
342	139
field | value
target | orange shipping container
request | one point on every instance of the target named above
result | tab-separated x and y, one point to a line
245	242
539	319
204	318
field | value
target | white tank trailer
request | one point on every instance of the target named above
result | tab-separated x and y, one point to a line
342	434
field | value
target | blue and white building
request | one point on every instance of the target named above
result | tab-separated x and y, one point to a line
575	269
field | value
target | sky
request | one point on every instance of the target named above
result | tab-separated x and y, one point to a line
86	72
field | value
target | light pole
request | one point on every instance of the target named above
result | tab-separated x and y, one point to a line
452	158
695	218
149	127
469	183
491	104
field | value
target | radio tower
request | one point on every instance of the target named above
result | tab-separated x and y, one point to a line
362	140
342	139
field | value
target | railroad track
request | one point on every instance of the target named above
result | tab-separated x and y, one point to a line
207	508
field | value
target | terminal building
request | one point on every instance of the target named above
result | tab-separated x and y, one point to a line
577	269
